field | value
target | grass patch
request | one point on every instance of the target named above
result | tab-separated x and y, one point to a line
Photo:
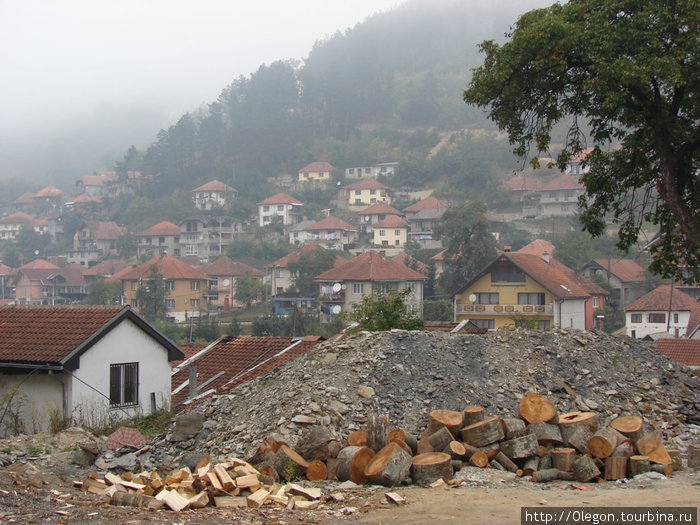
150	426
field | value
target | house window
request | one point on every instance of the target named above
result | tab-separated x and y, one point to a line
489	324
134	303
170	304
266	208
595	302
351	171
190	249
656	318
397	232
134	286
675	318
194	285
506	273
397	242
170	285
382	233
194	303
544	325
636	318
124	384
278	273
486	298
566	207
280	207
266	218
372	192
161	240
149	240
357	288
368	170
358	192
531	298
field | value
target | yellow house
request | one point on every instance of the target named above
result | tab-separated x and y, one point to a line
316	172
528	290
392	231
364	193
185	286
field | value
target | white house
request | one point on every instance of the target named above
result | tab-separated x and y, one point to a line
281	206
663	312
89	365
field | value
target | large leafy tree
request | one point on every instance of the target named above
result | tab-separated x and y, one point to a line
151	295
385	311
248	289
308	266
630	73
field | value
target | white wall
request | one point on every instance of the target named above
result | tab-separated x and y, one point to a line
570	313
126	343
35	401
645	328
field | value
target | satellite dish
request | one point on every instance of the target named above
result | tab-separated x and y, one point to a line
336	309
336	287
225	282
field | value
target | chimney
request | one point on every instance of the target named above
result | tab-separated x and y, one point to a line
507	249
192	373
545	257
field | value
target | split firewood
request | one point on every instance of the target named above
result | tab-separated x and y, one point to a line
585	469
546	433
570	422
393	497
317	470
310	493
351	463
427	468
226	482
227	502
483	432
250	482
450	419
377	431
604	442
257	499
638	465
472	414
563	459
199	501
551	474
288	464
535	408
173	499
521	447
389	466
629	426
615	467
660	455
305	505
513	427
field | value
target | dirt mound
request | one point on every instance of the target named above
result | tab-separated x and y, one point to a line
406	374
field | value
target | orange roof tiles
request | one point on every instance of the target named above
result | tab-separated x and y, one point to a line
227	266
169	267
381	208
660	299
50	191
84	198
283	262
106	267
162	228
410	262
25	198
523	183
105	230
429	203
317	167
685	351
392	221
366	184
73	276
18	217
331	223
216	185
281	198
624	269
371	266
38	263
563	182
5	270
95	180
537	247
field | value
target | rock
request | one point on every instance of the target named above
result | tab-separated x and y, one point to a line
126	462
304	420
83	458
365	391
187	425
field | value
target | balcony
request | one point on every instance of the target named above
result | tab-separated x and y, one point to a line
505	309
332	298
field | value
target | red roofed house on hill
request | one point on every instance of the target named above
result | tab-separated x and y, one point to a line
49	286
360	195
11	225
626	278
423	217
94	241
163	237
24	202
372	171
376	213
89	365
214	194
649	316
559	196
280	278
529	290
392	232
368	274
222	275
315	172
284	207
185	286
333	233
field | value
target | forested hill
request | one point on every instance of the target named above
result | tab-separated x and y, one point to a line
384	90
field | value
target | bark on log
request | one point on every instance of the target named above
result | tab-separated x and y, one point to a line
521	447
585	469
440	439
377	431
456	464
483	432
693	456
412	442
546	462
456	450
389	466
615	467
505	462
579	439
604	442
343	462
666	470
629	426
513	427
491	450
545	432
427	468
424	445
551	474
288	464
332	464
357	438
479	459
334	447
129	499
472	414
570	422
624	450
317	470
638	465
445	418
648	442
531	465
313	444
496	465
563	459
403	446
676	460
535	408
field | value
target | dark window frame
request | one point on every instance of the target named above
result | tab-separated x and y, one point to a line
124	384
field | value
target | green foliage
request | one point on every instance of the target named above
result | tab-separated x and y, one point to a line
127	246
11	257
30	243
295	326
438	310
248	289
169	329
264	250
308	266
150	425
104	292
206	329
384	312
469	244
631	71
514	237
575	248
151	295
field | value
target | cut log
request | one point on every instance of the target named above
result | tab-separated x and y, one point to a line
479	459
403	446
513	427
389	466
331	464
676	460
316	471
521	447
334	447
491	450
531	465
424	445
450	419
313	443
199	501
546	433
579	439
604	442
173	499
629	426
624	450
483	432
496	465
397	433
457	464
666	470
615	467
377	431
358	464
249	481
546	462
505	462
427	468
456	450
585	469
563	459
412	442
638	465
472	414
268	448
535	408
570	422
440	439
693	456
648	442
343	462
660	455
357	438
551	474
225	480
288	464
130	499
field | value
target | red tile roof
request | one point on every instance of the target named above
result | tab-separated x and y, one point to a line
581	155
18	217
50	191
523	183
5	270
72	276
25	198
371	266
366	184
105	230
95	180
624	269
685	351
392	221
429	203
106	267
216	185
317	167
410	262
381	208
660	299
84	198
283	262
558	278
330	223
563	182
38	263
281	198
440	256
693	321
162	228
240	359
227	266
169	267
537	247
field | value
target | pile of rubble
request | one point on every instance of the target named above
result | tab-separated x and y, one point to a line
408	374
